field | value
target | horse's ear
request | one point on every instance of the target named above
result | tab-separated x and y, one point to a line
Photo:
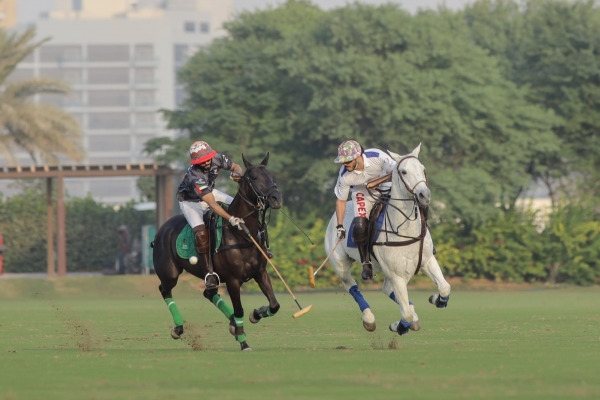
395	156
247	163
266	160
416	151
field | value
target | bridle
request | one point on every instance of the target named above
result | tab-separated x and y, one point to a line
260	206
408	240
410	190
261	203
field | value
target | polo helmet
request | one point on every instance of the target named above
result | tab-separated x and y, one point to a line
349	150
201	152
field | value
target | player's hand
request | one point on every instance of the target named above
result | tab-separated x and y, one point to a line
341	232
237	222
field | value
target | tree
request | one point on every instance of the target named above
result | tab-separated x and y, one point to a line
551	49
297	81
43	131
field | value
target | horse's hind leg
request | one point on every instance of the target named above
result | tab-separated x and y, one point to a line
166	288
434	272
342	269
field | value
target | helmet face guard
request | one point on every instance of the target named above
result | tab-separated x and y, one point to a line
349	150
200	152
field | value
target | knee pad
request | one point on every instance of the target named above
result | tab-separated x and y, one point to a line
360	232
201	238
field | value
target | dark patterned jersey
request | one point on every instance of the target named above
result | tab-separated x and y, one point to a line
198	182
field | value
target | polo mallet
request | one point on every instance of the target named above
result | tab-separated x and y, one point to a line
311	274
302	310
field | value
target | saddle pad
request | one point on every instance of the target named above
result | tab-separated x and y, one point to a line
185	239
185	243
351	243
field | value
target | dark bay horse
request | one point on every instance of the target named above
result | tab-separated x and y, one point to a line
237	260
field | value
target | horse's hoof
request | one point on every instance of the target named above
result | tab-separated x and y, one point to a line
252	319
369	326
401	327
245	347
415	326
176	332
439	301
368	320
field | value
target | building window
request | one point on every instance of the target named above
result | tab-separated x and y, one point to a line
143	52
189	27
102	143
144	75
108	53
144	98
60	53
77	6
108	98
108	75
145	120
204	27
109	121
71	75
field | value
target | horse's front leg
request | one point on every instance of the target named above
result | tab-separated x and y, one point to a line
406	310
264	282
388	288
236	321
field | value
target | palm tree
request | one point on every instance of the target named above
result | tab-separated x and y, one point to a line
44	131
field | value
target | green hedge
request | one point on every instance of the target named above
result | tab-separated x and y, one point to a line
509	248
90	231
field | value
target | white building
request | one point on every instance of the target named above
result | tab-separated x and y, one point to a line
120	58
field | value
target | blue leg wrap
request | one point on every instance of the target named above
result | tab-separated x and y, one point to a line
358	297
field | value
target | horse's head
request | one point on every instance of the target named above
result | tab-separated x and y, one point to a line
259	186
411	174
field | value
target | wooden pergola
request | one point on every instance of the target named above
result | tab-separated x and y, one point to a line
164	196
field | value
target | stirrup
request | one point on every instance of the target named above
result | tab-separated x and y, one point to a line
215	282
367	272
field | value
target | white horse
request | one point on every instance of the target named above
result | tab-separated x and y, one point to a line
403	246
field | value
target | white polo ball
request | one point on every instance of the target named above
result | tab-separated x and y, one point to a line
193	260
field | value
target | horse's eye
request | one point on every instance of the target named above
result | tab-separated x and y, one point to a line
404	172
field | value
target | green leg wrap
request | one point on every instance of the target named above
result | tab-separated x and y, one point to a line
222	305
239	322
177	318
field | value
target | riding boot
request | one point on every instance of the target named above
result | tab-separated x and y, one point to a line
201	240
360	235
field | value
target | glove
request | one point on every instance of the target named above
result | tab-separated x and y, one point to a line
341	232
237	222
234	176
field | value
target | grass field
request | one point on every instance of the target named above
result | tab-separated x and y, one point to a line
108	338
